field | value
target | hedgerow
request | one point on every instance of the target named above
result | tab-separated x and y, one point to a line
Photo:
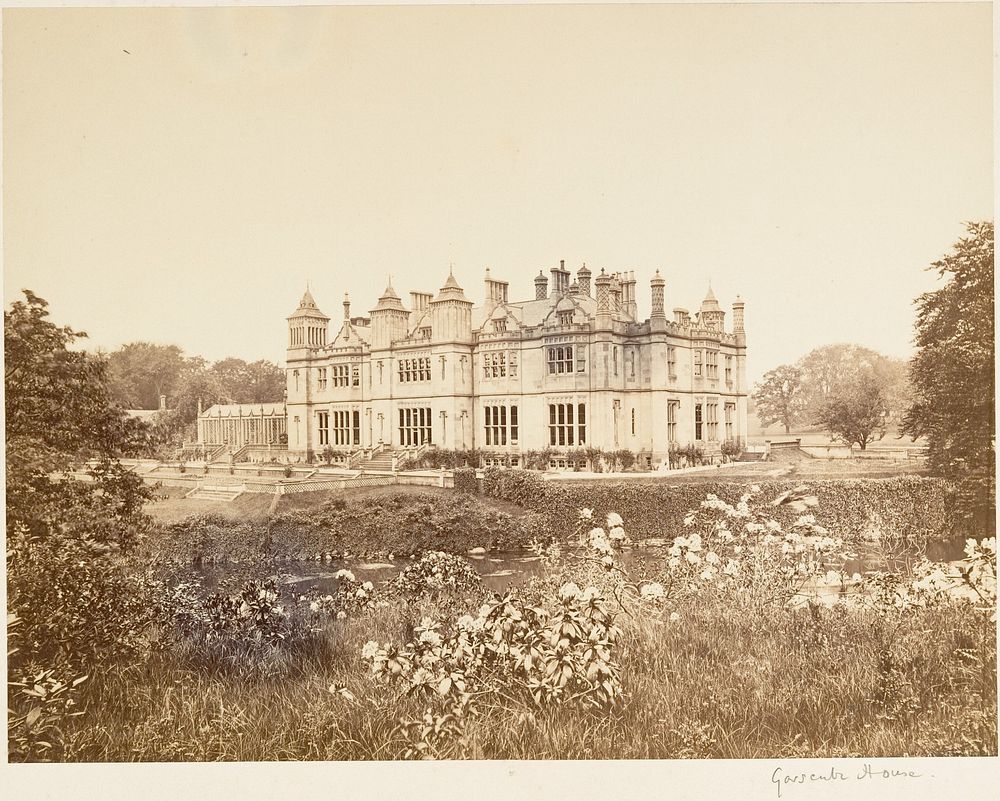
912	508
400	523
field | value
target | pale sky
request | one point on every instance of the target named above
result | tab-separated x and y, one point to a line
813	159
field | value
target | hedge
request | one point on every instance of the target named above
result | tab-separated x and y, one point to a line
399	523
911	507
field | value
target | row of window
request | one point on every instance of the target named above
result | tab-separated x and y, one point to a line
341	375
345	428
501	426
415	369
415	426
498	365
567	424
564	427
710	369
560	359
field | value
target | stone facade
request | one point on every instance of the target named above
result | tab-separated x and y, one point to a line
573	367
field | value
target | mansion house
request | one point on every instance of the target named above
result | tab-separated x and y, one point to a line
571	367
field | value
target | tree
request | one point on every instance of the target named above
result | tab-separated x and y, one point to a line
71	601
856	413
60	413
778	397
828	369
140	372
257	382
953	371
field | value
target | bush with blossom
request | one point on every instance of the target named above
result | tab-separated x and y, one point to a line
511	652
352	597
437	573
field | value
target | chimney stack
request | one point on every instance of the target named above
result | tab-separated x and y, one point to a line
541	286
656	284
583	278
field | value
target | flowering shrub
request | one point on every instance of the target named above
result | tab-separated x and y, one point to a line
352	597
436	573
511	652
909	507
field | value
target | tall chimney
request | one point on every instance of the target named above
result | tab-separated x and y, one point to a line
738	307
541	286
656	284
583	278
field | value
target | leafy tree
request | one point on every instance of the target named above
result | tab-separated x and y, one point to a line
953	372
257	382
778	397
856	413
72	603
59	412
140	372
826	370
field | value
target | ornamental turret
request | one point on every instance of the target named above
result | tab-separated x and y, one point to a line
307	325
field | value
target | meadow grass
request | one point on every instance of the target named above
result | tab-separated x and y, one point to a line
808	681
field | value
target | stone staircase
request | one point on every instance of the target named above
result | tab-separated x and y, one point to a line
380	461
216	493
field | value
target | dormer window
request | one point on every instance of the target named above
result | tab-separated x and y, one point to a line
425	332
500	326
565	317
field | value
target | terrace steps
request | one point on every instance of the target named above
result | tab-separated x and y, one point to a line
216	493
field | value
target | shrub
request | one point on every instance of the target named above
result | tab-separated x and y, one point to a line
911	508
436	573
512	654
465	480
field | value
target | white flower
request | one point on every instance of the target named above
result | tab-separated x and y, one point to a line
674	617
732	568
430	637
368	586
712	558
615	519
569	590
344	574
341	614
421	676
590	593
651	591
694	542
689	518
314	606
466	623
674	562
361	593
369	649
693	558
680	542
608	562
832	577
706	575
586	514
617	533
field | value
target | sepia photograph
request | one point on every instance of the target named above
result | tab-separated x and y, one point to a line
543	391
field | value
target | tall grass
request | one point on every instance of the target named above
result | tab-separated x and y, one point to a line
809	681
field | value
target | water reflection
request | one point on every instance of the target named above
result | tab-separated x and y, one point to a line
499	571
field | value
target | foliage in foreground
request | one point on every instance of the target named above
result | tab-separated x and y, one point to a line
712	645
953	371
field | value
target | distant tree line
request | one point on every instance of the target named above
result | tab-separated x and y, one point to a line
848	390
140	372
